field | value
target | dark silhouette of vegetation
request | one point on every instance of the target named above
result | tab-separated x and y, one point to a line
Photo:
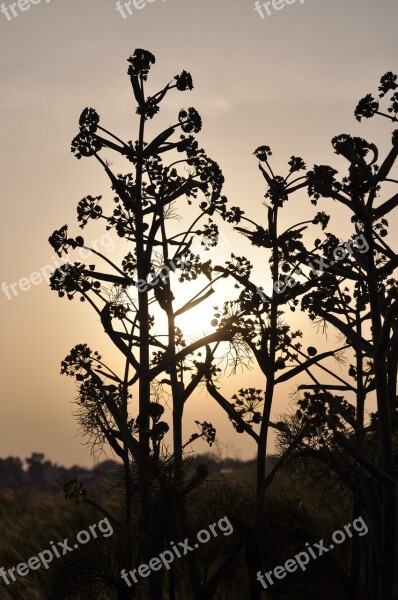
326	441
356	295
158	360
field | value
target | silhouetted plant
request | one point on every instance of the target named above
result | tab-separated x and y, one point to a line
261	326
142	322
358	296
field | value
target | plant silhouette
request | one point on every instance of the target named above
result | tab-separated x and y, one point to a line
327	436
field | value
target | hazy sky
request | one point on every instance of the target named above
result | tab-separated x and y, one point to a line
290	80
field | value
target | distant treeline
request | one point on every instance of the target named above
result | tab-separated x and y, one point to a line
37	471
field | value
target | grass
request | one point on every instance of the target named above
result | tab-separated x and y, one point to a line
296	512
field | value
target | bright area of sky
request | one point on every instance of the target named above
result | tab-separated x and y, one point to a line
290	80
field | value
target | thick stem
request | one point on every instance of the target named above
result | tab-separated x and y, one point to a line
384	403
255	591
143	268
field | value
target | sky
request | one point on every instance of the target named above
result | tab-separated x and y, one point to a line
290	80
